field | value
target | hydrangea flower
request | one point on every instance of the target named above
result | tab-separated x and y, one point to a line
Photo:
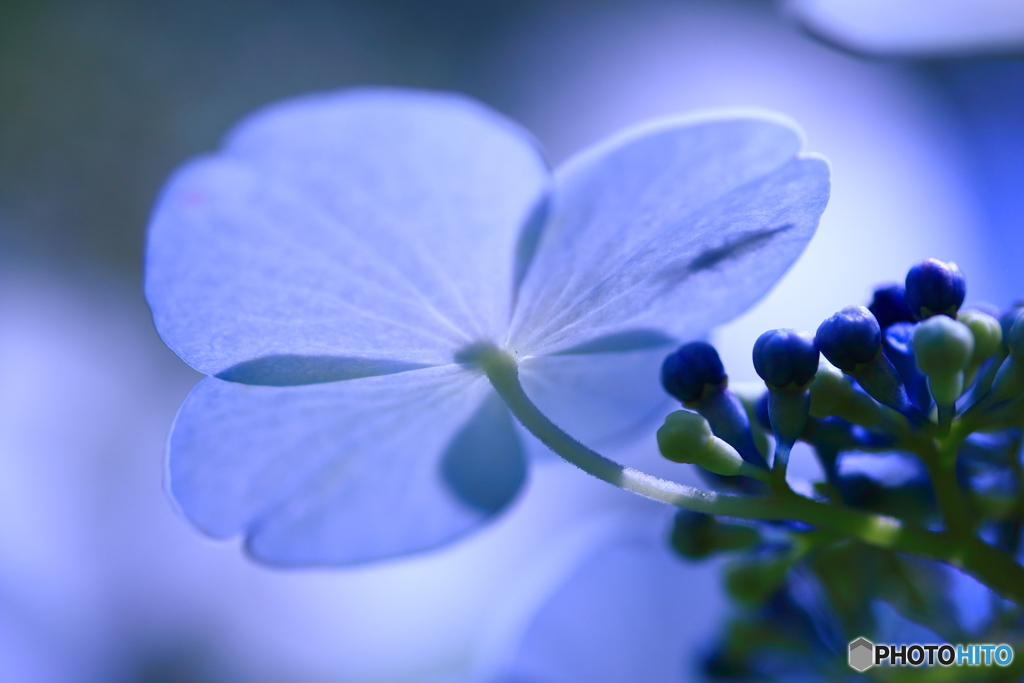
332	266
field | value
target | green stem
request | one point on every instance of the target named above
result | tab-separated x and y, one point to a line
780	461
991	567
941	462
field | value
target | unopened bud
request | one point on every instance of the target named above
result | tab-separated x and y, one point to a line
943	348
786	358
850	338
889	306
692	371
987	333
935	287
829	390
686	437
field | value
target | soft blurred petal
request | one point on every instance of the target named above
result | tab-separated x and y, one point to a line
346	471
922	28
343	235
627	609
669	228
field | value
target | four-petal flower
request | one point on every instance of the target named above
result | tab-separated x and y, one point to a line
331	266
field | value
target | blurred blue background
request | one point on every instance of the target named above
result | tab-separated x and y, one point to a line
100	580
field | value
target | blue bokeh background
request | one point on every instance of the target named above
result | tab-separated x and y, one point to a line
101	580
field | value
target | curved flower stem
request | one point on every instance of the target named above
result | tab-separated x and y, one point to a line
992	567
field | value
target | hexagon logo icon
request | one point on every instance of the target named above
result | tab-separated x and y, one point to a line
862	654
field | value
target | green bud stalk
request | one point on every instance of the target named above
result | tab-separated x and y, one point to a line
832	394
788	410
686	437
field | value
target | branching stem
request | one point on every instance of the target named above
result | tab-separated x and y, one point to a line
990	566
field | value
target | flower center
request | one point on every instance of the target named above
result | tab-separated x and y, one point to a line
486	356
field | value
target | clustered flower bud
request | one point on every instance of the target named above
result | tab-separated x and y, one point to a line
686	437
692	371
987	332
943	348
694	374
850	338
786	358
889	306
914	373
935	287
787	361
988	339
852	341
913	351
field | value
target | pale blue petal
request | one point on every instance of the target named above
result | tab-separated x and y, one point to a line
916	28
671	228
630	612
602	399
346	471
343	235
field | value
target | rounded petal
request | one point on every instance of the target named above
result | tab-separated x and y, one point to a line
915	28
673	227
345	472
343	235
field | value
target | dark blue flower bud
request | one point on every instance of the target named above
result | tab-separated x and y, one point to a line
849	338
889	307
694	374
686	372
784	358
935	287
787	361
852	341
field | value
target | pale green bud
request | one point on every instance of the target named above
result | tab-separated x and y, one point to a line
687	438
943	348
987	333
829	390
1009	380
